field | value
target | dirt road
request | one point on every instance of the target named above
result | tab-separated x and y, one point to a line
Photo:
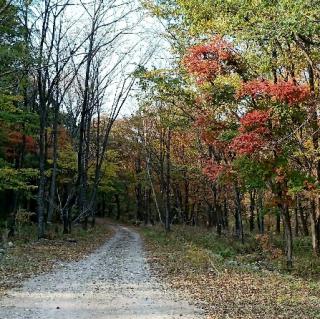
113	282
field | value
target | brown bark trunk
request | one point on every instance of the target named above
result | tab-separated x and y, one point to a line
303	217
296	218
118	206
260	215
167	219
315	228
238	214
225	214
315	216
288	235
252	209
186	198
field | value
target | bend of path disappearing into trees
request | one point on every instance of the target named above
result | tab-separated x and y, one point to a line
113	282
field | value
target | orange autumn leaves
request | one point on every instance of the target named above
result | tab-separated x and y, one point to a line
283	91
218	57
205	62
16	141
254	133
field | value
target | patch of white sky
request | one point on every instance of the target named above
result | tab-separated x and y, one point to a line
141	43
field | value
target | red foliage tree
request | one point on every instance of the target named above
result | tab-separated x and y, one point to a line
16	141
282	91
289	93
254	133
210	130
248	143
212	170
254	120
205	61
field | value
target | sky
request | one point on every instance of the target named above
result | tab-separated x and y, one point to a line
132	48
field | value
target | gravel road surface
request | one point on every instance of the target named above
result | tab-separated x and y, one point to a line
113	282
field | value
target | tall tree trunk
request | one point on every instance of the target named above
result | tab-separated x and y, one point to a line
252	208
260	215
66	220
315	227
219	219
303	217
52	194
147	214
296	217
225	214
82	127
315	216
103	205
118	206
138	189
42	150
167	217
238	214
286	219
162	174
210	215
278	222
217	210
186	197
288	234
147	156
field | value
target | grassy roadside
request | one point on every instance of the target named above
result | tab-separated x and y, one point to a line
233	280
28	257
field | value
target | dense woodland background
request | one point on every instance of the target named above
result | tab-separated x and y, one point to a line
226	137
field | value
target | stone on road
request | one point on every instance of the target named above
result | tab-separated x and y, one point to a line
113	282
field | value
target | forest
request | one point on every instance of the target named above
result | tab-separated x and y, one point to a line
220	144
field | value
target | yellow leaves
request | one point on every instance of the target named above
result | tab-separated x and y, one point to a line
233	80
7	103
307	151
18	179
67	159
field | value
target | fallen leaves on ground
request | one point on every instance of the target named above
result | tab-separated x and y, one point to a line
31	257
229	291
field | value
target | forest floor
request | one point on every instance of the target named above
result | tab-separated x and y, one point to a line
233	280
29	257
112	282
